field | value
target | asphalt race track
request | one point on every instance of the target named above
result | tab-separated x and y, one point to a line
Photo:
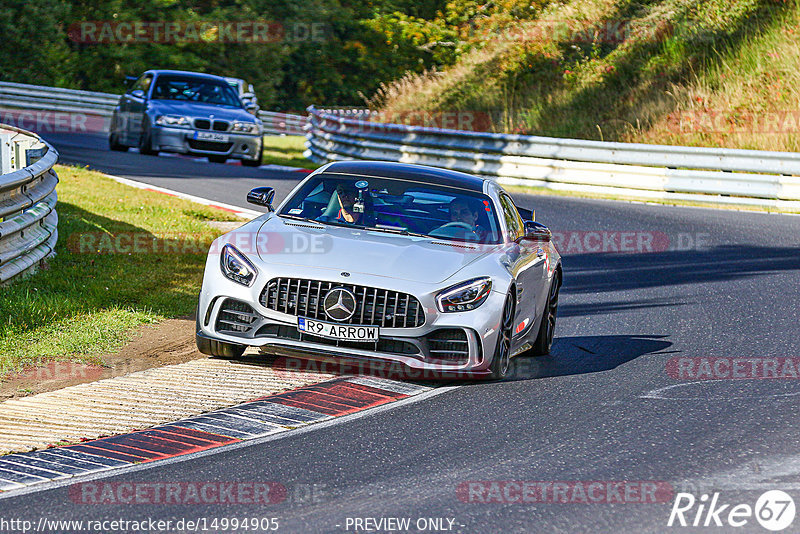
653	297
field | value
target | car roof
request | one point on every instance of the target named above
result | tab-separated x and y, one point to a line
406	171
186	73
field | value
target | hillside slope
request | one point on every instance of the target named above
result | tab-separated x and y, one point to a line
690	72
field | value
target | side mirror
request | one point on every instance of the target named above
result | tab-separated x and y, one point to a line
138	93
262	196
535	231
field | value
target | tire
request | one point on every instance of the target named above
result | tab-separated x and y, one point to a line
217	159
502	352
146	141
544	340
114	144
220	349
255	162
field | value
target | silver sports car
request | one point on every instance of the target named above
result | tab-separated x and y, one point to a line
431	270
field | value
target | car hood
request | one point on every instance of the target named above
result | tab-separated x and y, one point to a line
337	249
197	109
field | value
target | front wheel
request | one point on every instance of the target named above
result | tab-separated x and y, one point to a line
502	351
255	162
544	340
146	140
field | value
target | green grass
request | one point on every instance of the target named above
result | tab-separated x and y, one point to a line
735	59
87	303
286	150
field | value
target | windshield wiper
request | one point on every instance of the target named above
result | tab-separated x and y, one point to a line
304	219
401	231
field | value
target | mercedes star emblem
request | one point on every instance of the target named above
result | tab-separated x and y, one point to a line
340	304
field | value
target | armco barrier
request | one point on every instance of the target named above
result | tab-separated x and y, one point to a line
716	175
28	219
42	98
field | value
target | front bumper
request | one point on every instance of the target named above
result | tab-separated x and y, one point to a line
223	304
181	141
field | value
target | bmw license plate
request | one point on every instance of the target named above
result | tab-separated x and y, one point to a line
211	136
344	332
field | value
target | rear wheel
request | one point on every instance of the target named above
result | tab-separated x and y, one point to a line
220	349
114	144
217	159
544	340
502	351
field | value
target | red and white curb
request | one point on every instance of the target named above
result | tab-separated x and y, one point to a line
261	417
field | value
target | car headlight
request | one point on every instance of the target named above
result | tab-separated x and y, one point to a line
464	296
235	266
245	127
175	121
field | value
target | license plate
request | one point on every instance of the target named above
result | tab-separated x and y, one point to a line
211	136
344	332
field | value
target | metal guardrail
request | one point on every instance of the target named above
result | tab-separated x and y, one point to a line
42	98
28	219
716	175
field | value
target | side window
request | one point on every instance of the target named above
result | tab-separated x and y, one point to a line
143	83
513	221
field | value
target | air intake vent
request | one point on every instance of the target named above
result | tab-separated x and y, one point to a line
235	317
448	345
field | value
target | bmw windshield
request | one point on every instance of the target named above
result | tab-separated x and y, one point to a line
195	89
396	206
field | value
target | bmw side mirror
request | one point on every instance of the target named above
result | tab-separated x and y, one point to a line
262	196
138	93
535	231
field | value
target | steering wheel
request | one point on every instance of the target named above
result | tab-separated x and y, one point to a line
458	224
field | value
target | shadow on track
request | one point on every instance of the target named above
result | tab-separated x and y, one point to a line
586	354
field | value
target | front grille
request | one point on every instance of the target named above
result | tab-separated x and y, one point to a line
221	126
235	317
392	346
202	124
210	146
448	345
374	307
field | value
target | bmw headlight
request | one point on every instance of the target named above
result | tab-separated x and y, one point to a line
464	296
236	266
245	127
174	121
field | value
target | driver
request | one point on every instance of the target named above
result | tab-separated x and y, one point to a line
349	212
463	211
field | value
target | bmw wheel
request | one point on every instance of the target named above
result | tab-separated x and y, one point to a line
146	140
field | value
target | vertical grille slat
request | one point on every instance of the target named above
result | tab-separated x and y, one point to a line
374	306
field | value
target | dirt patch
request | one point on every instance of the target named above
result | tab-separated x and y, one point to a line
165	343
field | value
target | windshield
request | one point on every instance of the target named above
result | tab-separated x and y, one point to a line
397	206
195	89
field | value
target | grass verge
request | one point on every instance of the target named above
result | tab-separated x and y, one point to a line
105	279
286	150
